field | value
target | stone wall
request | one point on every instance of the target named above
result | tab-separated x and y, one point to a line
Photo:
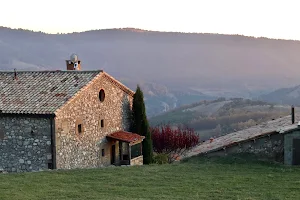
84	150
268	147
25	143
288	146
137	161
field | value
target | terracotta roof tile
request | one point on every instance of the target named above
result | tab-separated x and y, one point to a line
126	136
40	92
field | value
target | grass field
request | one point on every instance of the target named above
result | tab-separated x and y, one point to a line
205	178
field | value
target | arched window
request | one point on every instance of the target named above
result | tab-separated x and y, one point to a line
101	95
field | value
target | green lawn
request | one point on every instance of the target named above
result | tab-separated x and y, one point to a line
214	178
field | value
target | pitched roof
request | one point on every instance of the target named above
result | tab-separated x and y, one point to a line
281	125
126	136
40	92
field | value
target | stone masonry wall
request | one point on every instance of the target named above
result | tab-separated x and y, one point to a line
84	150
137	161
288	146
266	147
25	144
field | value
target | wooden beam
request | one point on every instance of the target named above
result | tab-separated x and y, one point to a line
135	142
129	153
121	150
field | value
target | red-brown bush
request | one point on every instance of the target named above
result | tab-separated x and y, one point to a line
173	142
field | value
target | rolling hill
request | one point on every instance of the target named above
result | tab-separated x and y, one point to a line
221	116
288	96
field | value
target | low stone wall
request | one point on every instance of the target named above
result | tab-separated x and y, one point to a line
25	144
269	147
137	161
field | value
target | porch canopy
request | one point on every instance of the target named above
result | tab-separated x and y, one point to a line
128	137
130	146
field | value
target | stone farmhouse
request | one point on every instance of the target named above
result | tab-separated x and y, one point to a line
64	120
277	140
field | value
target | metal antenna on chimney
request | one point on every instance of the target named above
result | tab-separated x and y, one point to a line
74	59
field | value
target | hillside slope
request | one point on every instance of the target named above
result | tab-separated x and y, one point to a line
221	116
288	96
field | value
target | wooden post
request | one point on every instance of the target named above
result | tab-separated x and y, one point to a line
121	150
129	153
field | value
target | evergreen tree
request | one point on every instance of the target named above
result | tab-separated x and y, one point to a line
140	124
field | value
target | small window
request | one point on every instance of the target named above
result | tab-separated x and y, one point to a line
103	153
101	95
79	128
102	123
50	166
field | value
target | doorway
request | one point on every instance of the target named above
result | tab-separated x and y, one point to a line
296	152
113	154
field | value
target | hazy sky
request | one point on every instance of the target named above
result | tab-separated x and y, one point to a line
269	18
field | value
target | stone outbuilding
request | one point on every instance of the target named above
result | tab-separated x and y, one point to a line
64	120
277	140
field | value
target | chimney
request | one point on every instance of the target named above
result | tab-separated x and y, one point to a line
293	114
73	63
15	74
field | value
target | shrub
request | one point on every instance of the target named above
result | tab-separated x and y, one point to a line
160	158
173	142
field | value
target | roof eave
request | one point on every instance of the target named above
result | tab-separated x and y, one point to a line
12	114
120	85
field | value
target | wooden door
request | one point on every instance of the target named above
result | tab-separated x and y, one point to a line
113	154
296	152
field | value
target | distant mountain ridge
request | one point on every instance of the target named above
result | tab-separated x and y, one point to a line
191	66
288	96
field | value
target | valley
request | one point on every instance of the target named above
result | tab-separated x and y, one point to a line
222	116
